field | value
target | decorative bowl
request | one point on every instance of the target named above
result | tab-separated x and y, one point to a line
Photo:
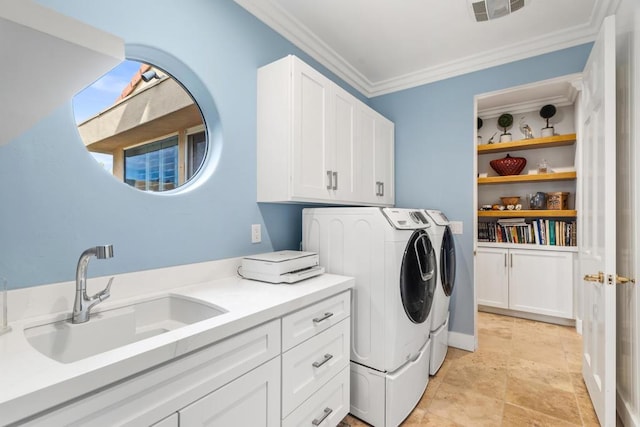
508	165
510	200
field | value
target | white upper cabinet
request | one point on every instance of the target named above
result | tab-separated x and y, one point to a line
47	58
317	142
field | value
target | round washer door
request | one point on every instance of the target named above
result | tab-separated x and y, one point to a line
418	277
448	262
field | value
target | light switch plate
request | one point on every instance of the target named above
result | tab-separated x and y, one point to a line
456	227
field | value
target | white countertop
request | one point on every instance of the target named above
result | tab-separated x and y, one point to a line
31	382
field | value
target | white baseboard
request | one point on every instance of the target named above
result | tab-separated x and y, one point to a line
579	326
624	409
462	341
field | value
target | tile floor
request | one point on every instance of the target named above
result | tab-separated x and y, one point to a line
524	373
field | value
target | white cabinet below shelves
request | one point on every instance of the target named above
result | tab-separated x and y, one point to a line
527	280
318	143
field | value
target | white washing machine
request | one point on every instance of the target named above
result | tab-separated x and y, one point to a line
446	260
394	264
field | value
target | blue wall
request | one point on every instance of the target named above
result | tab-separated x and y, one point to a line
435	149
57	201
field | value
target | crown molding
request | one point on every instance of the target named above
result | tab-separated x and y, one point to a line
290	28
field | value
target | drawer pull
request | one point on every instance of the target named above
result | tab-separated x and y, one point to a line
324	317
324	360
325	414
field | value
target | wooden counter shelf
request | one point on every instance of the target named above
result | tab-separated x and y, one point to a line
540	177
529	213
527	144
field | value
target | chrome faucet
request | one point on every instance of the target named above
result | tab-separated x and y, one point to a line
83	304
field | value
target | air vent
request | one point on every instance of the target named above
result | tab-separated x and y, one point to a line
486	10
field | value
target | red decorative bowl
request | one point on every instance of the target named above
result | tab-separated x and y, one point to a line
508	165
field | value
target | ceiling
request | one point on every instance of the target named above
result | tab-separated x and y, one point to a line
382	46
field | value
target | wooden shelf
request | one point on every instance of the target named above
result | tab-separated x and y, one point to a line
540	177
527	144
541	213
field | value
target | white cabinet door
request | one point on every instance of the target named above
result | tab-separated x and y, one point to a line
251	400
376	135
343	146
312	170
384	160
493	277
541	282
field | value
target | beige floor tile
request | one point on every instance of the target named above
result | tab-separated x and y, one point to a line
488	380
516	416
529	370
536	327
488	342
414	419
466	407
550	354
433	420
543	398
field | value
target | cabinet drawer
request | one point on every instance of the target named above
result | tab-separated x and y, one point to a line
308	366
303	324
327	407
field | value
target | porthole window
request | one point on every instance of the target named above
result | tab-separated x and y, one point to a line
142	126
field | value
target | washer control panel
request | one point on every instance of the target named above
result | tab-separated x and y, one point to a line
406	219
438	217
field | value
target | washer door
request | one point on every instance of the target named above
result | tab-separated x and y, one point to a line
448	262
418	277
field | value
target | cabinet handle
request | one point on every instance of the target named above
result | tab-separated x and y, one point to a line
377	188
324	360
335	180
511	260
330	186
323	318
382	189
325	414
505	260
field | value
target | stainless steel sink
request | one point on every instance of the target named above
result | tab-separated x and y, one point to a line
109	329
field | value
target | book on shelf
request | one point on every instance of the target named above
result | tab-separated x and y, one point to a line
539	231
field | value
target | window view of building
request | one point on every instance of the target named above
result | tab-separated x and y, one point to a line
152	136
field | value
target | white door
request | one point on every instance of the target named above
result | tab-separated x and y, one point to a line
384	159
598	248
346	151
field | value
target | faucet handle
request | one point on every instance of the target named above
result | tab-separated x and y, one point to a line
106	292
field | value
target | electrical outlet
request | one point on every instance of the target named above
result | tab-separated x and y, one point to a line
256	233
456	227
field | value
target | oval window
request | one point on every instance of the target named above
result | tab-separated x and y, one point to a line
142	126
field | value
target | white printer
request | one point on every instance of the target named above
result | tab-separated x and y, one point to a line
281	266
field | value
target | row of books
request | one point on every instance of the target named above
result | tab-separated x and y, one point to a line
538	231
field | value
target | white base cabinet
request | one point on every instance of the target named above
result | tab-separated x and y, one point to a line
528	280
290	370
318	143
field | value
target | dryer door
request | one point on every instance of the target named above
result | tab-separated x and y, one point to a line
418	277
448	262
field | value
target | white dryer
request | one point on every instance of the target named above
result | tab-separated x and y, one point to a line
446	259
393	261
